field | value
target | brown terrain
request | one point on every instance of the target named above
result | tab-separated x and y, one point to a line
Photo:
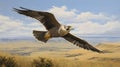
62	54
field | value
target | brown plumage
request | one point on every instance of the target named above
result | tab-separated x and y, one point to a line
54	28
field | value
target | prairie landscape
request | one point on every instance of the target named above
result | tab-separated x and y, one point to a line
22	22
62	54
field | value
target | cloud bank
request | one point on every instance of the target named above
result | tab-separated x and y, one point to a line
85	23
16	28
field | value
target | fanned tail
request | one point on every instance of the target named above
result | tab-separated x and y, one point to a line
40	35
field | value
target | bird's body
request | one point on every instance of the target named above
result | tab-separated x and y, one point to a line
53	32
58	31
54	29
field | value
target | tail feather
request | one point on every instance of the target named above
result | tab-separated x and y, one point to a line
40	35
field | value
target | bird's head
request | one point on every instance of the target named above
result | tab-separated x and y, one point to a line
68	28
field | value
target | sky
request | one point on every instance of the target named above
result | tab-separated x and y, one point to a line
88	17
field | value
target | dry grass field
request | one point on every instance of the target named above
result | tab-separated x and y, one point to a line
24	53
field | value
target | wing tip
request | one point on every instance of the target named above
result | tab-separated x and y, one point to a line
96	50
100	51
16	10
21	8
24	8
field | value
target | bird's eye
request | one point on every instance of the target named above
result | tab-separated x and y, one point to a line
67	29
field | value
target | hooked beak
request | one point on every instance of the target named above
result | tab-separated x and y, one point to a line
71	28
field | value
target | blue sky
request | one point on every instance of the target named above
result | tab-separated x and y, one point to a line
89	17
96	6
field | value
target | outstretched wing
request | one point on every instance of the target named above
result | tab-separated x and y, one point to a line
46	18
79	42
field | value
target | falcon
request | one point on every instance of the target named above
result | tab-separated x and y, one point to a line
54	29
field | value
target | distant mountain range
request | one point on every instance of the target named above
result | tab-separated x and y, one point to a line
27	39
94	40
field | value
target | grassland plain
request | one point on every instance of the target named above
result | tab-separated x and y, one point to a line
61	54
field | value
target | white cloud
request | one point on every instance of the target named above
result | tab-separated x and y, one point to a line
6	23
96	28
85	16
63	13
14	28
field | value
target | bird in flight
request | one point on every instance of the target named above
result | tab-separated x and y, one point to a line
54	29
